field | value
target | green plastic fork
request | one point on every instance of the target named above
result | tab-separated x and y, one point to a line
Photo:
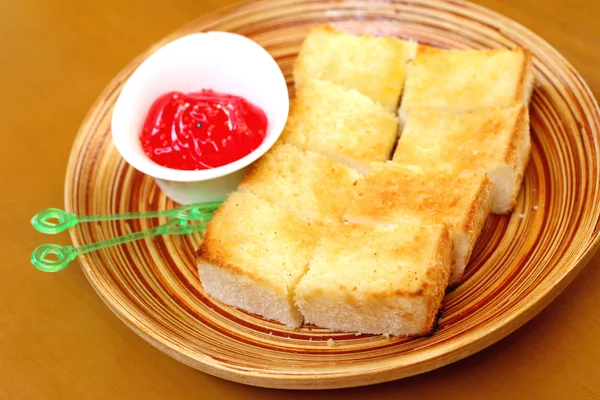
54	257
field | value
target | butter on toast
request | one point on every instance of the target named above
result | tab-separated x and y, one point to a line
339	123
305	183
394	192
375	66
253	254
496	141
466	80
380	279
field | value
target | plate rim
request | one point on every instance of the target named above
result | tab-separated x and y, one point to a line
343	376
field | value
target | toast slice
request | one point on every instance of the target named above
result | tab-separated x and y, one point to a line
375	66
341	124
308	184
496	141
467	80
392	192
252	256
379	279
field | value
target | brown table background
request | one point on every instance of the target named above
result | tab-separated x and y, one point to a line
59	341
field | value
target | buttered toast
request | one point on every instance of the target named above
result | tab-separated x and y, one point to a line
386	279
373	66
392	193
341	124
467	80
495	140
308	184
334	227
253	254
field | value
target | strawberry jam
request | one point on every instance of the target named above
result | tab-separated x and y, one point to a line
201	130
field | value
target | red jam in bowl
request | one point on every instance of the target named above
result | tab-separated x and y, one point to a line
202	130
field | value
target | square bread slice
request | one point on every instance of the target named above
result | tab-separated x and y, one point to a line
496	141
379	279
466	80
392	192
308	184
252	256
341	124
375	66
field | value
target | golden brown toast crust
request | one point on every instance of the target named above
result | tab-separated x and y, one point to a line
478	213
392	192
521	128
522	150
525	85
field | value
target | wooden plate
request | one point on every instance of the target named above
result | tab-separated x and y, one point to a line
521	263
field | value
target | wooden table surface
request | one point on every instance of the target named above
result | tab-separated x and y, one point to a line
59	341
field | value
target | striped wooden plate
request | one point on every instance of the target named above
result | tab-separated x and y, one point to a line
520	264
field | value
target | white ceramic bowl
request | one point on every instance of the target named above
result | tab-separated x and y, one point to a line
221	61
